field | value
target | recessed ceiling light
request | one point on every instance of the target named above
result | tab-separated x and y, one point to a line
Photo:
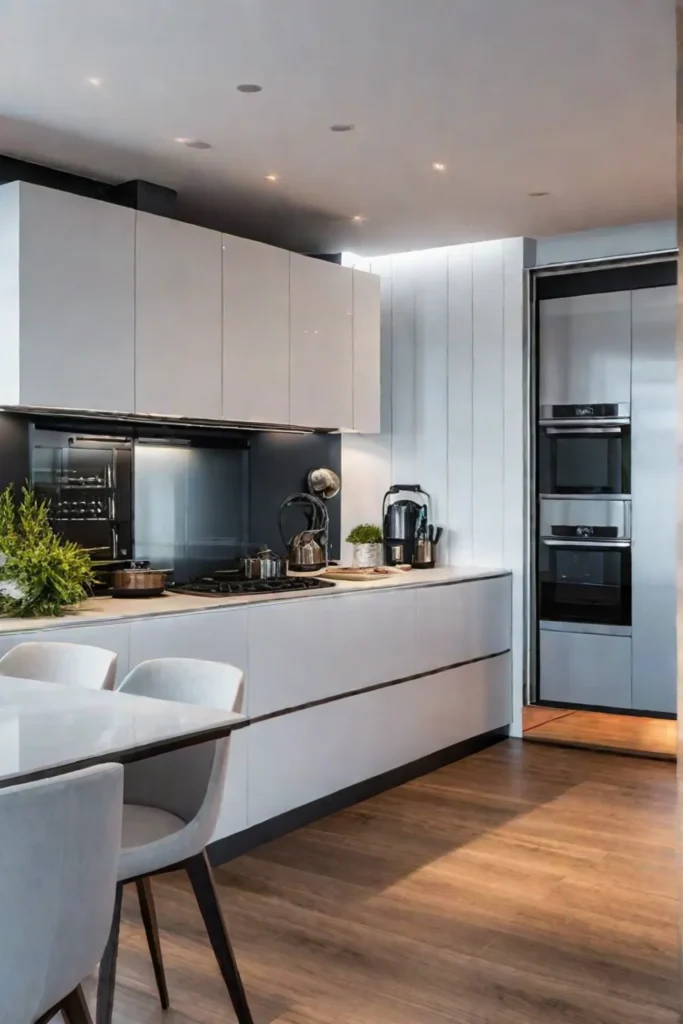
537	195
193	143
94	81
250	87
358	218
272	177
438	167
342	127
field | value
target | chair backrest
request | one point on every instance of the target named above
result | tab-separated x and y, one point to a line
189	782
93	668
60	840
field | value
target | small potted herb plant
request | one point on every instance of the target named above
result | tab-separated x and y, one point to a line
40	573
367	546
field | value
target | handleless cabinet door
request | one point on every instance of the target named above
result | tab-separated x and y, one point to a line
585	668
321	343
462	621
366	352
178	314
584	346
653	477
255	332
76	301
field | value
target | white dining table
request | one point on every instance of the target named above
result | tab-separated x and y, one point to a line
48	729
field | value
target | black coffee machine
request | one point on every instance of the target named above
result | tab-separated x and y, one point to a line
401	520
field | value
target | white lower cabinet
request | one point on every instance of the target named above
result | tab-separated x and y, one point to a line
298	758
301	651
233	813
585	668
112	636
219	635
462	621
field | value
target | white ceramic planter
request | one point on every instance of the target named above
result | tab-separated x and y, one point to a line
367	556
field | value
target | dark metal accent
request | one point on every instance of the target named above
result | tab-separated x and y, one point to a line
73	1009
107	977
149	919
369	689
12	169
653	274
227	849
201	879
14	446
145	196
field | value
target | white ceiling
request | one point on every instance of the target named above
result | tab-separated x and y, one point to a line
572	97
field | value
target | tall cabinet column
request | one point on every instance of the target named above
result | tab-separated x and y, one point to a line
653	477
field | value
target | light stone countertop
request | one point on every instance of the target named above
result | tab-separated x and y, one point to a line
99	610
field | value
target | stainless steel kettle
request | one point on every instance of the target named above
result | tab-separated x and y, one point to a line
307	550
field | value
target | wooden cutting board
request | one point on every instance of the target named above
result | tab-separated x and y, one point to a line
362	575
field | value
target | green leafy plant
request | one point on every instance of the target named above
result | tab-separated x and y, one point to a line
40	573
365	533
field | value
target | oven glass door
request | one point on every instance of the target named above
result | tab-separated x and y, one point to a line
584	582
584	460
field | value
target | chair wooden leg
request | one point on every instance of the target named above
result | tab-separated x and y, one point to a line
75	1009
201	877
107	979
149	919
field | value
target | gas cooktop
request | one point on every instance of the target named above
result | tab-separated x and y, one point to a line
212	586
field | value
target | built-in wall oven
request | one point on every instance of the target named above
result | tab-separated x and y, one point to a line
584	450
584	562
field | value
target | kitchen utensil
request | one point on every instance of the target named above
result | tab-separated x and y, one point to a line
265	565
138	581
308	549
324	483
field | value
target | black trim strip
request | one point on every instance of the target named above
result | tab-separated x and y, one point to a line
253	720
613	279
223	850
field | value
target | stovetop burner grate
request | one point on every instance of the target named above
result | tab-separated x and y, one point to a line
210	586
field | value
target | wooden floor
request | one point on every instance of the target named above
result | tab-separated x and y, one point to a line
649	737
527	884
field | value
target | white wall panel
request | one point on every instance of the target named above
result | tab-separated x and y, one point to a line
460	405
403	423
488	403
454	406
431	378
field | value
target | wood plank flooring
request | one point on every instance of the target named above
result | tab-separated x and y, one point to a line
527	884
649	737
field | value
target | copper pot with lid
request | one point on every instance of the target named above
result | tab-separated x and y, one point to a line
138	580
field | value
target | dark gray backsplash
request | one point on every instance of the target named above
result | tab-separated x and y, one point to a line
279	466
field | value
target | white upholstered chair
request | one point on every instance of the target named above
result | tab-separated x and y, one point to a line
93	668
59	853
171	806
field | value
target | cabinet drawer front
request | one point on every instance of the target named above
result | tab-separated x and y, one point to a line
112	637
302	651
219	635
463	621
302	757
585	668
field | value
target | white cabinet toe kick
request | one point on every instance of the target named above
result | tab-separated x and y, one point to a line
347	694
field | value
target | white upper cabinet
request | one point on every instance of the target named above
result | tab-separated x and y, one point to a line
366	352
67	300
255	332
321	343
178	314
